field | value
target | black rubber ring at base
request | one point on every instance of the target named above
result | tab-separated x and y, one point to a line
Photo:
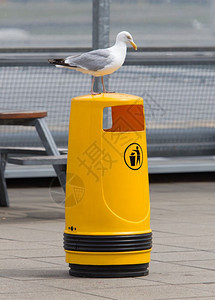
108	271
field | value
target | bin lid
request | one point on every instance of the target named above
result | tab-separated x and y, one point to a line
110	99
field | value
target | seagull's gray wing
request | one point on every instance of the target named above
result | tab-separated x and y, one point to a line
94	60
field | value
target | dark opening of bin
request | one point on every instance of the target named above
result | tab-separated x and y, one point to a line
126	118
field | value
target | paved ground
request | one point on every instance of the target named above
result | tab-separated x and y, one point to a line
183	258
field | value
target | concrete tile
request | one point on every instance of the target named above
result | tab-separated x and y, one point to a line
163	248
161	234
179	228
162	267
37	274
38	253
199	264
21	263
62	295
184	277
197	297
150	292
11	245
30	235
55	243
47	226
197	243
182	256
206	286
10	286
30	211
88	284
58	260
4	255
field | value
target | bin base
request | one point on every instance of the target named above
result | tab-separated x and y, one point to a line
109	271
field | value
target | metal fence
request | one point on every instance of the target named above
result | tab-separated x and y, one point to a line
178	87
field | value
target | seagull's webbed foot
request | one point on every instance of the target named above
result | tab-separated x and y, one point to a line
112	92
94	93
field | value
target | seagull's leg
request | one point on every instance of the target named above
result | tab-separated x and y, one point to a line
92	91
93	80
104	89
103	84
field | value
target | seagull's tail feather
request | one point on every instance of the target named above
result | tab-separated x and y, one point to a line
59	62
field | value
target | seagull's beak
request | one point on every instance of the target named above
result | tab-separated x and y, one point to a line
133	45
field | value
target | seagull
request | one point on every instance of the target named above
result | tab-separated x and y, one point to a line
99	62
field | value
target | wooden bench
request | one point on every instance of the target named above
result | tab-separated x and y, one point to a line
36	119
39	160
31	156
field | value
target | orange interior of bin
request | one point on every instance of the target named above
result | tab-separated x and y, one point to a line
127	118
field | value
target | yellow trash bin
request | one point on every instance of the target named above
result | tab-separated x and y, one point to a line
107	209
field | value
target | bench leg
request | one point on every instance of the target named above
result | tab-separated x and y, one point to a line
4	200
51	148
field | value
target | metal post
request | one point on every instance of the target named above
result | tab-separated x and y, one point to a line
101	26
4	200
212	20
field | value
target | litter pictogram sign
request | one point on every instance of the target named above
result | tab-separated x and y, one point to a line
133	156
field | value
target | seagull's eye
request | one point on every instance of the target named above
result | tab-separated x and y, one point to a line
128	37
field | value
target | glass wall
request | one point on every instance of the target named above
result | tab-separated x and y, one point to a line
45	23
68	23
165	22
